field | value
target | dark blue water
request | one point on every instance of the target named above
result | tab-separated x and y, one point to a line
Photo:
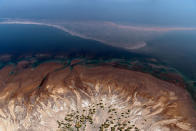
32	39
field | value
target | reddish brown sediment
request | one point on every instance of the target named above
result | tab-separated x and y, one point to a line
34	98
